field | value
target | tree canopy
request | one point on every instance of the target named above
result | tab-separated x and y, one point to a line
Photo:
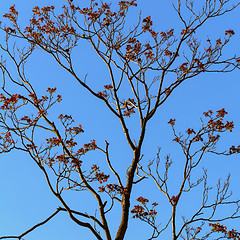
116	114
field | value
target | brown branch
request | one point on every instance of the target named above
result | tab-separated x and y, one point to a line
34	227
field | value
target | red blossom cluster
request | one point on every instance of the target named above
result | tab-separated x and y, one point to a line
208	134
128	112
40	101
198	138
62	158
65	117
10	30
12	15
42	24
147	24
90	146
167	53
104	11
108	87
87	147
142	212
51	90
70	143
232	234
124	6
217	124
37	11
183	67
190	131
75	130
112	189
219	42
186	31
99	176
234	149
42	112
172	122
102	94
127	4
209	50
37	101
59	98
221	113
94	15
174	199
129	106
66	120
200	65
138	211
27	119
31	146
6	142
142	200
133	49
168	34
54	141
229	32
148	52
9	103
30	121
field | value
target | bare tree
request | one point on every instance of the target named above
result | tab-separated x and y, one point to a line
145	67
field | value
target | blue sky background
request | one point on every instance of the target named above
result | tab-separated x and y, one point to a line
24	196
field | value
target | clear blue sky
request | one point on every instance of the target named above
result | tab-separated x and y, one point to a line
24	196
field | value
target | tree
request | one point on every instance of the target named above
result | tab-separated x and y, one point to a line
145	67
